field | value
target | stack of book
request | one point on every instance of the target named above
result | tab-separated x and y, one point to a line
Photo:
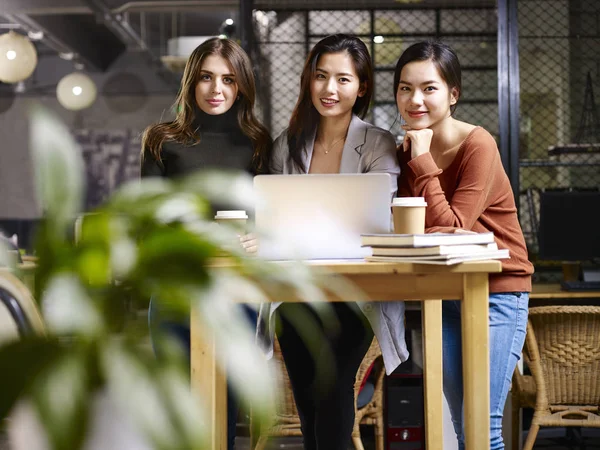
435	248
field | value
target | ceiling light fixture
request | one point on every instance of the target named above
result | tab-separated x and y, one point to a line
18	57
35	35
67	56
76	91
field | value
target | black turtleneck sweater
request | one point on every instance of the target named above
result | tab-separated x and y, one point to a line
222	146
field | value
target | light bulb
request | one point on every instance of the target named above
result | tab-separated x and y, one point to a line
18	57
76	91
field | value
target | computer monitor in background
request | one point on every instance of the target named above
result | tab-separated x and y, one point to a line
569	227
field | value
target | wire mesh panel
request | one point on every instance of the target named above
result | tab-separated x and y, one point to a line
559	59
284	38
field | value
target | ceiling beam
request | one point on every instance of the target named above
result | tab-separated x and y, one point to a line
177	5
60	46
129	36
33	7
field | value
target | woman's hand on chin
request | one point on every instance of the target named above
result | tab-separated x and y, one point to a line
417	141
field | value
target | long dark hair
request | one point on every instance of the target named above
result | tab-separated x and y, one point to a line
305	117
182	129
442	56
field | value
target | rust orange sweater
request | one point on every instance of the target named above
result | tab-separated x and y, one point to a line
473	193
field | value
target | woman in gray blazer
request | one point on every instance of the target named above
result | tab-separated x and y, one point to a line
326	135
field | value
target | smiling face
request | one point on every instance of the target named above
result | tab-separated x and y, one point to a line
335	85
423	97
217	89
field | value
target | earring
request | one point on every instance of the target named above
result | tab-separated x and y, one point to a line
237	98
402	121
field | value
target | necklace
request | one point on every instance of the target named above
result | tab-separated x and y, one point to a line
326	151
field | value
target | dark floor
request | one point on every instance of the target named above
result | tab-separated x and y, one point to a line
550	440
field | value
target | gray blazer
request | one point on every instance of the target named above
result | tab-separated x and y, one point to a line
367	149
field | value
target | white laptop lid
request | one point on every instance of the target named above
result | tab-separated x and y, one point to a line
320	216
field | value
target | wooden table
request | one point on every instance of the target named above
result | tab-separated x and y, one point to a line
388	282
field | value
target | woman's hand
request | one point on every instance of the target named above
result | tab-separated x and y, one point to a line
417	141
249	242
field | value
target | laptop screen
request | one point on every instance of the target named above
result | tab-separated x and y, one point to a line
320	216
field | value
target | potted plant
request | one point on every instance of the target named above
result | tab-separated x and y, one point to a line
92	382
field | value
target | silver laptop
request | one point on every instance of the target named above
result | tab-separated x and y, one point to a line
320	216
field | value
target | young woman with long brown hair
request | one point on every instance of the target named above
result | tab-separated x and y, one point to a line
214	128
215	125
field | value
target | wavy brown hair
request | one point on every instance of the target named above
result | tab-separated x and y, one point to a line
183	130
305	116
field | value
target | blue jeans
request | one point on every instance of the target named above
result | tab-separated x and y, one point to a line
508	325
181	332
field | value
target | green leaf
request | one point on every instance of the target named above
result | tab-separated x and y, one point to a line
183	408
156	398
176	255
233	189
68	308
20	363
220	313
139	192
58	167
61	395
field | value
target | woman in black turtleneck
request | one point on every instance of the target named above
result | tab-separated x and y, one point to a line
214	128
222	145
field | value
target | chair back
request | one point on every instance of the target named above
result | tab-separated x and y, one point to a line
372	354
19	313
563	346
286	406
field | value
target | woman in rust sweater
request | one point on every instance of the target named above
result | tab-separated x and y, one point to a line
456	166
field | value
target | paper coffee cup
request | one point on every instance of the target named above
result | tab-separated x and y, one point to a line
236	219
409	215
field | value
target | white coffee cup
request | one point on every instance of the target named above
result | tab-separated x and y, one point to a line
235	218
409	215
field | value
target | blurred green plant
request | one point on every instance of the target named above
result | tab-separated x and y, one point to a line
154	237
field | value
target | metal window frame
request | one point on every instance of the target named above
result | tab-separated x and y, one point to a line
509	90
507	69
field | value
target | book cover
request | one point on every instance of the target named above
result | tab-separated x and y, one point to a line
446	260
437	250
425	240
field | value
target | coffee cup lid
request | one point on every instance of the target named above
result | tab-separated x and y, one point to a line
231	215
409	201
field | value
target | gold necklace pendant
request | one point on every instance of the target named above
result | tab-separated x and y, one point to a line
326	151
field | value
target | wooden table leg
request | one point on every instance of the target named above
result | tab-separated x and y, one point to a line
431	315
209	384
476	361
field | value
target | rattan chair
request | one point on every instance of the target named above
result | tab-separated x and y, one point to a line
562	350
287	423
18	307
